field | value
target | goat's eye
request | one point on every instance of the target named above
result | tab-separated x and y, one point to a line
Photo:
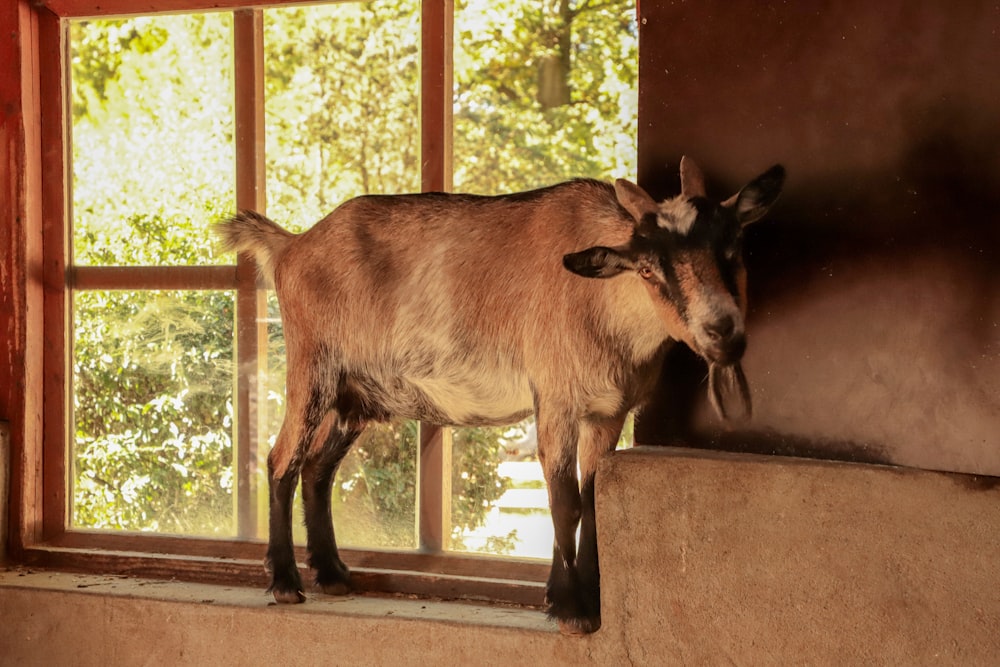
646	272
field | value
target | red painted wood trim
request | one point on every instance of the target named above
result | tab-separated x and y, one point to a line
55	131
111	8
21	320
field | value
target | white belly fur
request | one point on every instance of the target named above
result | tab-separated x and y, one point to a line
476	399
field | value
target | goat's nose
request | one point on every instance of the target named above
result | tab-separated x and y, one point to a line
720	330
726	342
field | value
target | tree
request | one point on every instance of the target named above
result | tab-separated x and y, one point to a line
152	371
509	133
342	105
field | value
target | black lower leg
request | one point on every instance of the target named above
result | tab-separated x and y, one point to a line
563	589
332	575
286	585
587	563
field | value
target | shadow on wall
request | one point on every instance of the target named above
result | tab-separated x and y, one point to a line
874	317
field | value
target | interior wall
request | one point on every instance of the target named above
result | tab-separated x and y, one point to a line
874	323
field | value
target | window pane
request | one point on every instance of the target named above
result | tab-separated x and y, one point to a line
152	138
542	96
374	499
152	402
499	502
342	119
342	112
503	508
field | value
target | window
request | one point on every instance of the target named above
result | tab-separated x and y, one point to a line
164	378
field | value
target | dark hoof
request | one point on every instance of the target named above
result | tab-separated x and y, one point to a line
288	597
286	584
337	588
578	627
577	614
333	578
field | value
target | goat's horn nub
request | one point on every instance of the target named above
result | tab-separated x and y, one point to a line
692	178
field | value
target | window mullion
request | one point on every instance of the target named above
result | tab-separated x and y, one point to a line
436	94
251	299
434	458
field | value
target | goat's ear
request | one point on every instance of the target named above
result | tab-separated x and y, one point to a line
634	199
757	196
598	262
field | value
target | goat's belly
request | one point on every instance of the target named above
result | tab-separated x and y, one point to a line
472	401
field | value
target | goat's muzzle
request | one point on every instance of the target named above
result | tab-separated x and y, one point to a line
723	341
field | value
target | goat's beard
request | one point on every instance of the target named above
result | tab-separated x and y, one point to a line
728	381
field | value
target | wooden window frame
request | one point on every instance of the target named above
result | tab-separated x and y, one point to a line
39	505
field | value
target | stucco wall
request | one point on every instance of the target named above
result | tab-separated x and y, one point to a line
874	329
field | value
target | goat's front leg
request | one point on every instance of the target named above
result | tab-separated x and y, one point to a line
597	439
557	445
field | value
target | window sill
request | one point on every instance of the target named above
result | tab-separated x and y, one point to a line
49	617
443	576
367	605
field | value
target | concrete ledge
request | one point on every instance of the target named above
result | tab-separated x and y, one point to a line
712	558
708	558
49	618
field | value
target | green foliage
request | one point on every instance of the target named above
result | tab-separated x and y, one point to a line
154	140
342	105
98	52
505	138
476	484
153	411
375	491
153	157
152	371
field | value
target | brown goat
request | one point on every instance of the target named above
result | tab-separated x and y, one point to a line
468	310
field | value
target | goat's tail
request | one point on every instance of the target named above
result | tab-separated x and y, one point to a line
249	231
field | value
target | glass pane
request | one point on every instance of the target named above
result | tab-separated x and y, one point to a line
152	138
342	114
374	499
544	92
152	412
499	503
342	119
374	493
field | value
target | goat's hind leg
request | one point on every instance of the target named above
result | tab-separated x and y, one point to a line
283	476
298	431
332	575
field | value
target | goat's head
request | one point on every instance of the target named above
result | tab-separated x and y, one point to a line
688	253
